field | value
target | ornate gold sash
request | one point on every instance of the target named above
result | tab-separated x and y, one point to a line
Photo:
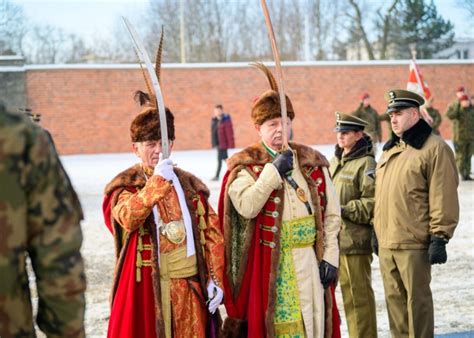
173	264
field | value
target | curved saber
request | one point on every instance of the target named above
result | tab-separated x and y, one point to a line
143	56
279	75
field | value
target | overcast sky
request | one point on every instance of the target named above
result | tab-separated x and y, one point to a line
98	18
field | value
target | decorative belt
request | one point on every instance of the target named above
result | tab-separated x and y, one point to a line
298	233
173	264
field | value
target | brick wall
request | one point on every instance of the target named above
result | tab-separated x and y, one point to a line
88	108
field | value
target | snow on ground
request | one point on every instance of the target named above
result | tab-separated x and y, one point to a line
452	283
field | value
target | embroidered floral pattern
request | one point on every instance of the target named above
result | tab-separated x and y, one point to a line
297	233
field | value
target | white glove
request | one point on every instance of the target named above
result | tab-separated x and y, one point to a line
164	168
215	295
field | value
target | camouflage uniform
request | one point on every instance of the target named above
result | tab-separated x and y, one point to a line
39	218
369	114
463	137
436	116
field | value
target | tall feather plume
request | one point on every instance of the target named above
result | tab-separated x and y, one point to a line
159	52
147	82
268	74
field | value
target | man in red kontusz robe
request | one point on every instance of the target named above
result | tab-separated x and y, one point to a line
280	218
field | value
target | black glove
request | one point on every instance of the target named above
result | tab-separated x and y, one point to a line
374	243
327	274
284	162
437	250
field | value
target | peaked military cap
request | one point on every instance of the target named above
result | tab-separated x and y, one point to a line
399	99
346	122
35	117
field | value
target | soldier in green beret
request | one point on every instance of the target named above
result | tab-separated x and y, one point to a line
452	110
39	219
463	136
352	170
416	212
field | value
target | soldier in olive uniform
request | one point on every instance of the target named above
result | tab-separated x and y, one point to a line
39	219
352	170
463	138
369	114
453	107
435	115
416	212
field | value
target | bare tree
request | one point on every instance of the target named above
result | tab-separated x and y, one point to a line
468	5
386	23
359	24
13	28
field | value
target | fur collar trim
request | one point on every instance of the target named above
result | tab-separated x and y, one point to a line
135	177
256	154
361	148
416	136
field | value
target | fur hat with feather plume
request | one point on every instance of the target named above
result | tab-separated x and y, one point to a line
146	125
267	106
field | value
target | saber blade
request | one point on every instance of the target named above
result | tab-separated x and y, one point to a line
279	74
143	56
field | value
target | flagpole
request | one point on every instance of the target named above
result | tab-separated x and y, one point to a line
423	111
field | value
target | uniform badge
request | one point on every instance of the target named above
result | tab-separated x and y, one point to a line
392	95
370	173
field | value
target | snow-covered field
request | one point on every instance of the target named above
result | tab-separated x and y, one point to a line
452	283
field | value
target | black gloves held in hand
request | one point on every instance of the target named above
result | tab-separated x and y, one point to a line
327	274
284	162
437	250
374	243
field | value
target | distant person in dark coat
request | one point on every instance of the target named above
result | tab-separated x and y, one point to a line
222	136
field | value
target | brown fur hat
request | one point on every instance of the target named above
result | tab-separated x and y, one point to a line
267	106
146	126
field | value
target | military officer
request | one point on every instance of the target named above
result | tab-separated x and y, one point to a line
416	212
39	218
352	170
463	138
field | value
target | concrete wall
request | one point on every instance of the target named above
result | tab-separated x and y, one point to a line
12	83
88	108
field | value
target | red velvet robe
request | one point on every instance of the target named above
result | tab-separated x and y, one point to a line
136	309
249	302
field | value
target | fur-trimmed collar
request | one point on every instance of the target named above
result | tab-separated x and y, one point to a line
256	154
416	136
135	177
361	148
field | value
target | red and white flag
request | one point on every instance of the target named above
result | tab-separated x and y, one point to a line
418	85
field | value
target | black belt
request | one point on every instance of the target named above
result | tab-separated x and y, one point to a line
300	193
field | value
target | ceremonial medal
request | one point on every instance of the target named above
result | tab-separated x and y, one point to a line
174	231
301	195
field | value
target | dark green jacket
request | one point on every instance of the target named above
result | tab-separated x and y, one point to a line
370	115
463	122
436	116
353	177
39	219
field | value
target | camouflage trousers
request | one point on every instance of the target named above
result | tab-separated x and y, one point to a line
464	152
